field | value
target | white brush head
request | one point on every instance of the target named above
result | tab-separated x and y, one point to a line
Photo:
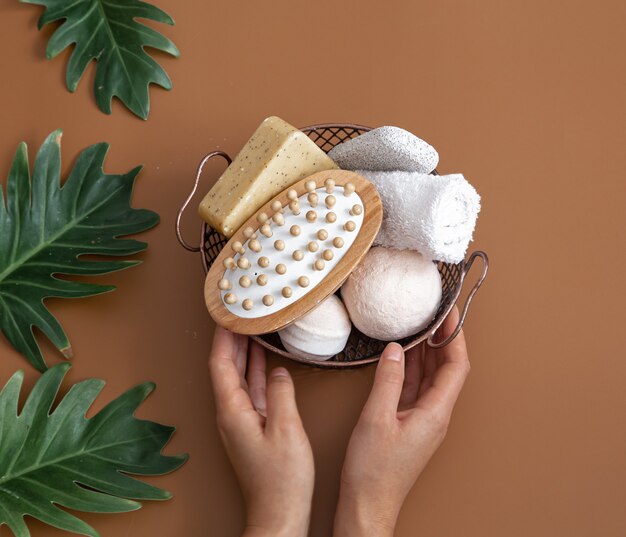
310	246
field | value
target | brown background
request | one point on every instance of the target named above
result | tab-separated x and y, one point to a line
527	98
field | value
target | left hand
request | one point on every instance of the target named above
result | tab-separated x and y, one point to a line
263	435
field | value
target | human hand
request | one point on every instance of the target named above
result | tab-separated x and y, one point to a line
263	436
403	422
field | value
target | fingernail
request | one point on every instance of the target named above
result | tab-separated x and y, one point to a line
393	351
280	372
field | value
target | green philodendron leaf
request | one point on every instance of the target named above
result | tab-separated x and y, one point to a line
61	458
106	31
45	228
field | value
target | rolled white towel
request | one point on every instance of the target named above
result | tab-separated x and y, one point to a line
386	149
433	214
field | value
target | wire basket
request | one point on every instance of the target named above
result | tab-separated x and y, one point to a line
360	349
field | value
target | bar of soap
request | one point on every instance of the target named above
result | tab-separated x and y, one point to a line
275	157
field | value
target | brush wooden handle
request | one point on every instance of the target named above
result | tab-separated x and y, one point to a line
372	213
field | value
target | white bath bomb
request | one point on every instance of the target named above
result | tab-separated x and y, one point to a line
392	293
321	333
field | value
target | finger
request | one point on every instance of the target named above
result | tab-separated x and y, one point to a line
241	356
225	377
449	378
412	376
281	400
429	367
385	394
456	350
434	358
256	377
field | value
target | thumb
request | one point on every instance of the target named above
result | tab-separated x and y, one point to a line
281	399
385	395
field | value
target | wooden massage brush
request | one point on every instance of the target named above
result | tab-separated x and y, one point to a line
295	251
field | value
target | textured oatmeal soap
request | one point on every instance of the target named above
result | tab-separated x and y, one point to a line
275	157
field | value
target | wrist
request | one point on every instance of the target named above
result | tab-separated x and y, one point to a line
275	531
259	531
362	518
284	525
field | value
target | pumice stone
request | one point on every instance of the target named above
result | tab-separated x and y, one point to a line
386	149
321	333
392	294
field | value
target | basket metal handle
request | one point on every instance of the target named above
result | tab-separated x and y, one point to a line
468	301
206	159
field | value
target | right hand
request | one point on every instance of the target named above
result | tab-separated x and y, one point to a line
263	435
402	424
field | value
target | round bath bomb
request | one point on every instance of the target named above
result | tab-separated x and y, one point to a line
392	293
321	333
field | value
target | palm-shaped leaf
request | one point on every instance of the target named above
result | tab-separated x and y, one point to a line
106	31
44	228
62	458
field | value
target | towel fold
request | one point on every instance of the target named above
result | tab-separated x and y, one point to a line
386	149
433	214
